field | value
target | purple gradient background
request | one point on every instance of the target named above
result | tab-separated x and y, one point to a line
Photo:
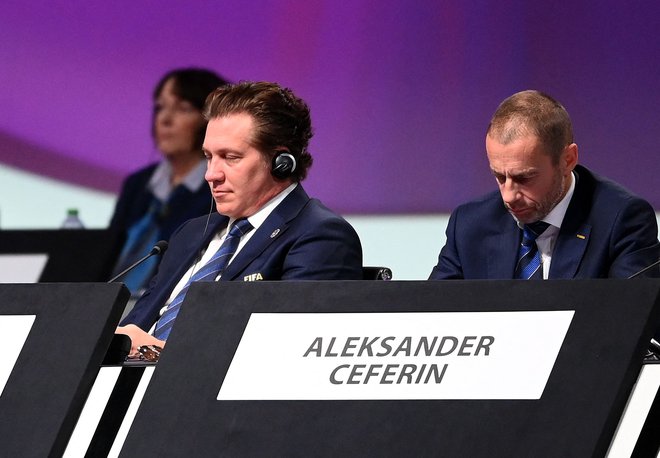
401	91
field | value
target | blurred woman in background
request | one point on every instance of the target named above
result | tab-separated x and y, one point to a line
155	200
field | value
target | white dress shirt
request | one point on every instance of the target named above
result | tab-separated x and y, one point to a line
546	241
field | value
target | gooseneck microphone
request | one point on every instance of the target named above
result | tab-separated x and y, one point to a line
158	248
650	266
654	345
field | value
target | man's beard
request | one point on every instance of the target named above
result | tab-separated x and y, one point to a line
550	201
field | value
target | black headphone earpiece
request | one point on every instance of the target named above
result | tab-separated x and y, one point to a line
284	164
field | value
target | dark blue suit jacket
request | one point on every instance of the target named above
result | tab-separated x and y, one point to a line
606	232
300	240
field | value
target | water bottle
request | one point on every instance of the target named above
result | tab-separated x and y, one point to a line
72	221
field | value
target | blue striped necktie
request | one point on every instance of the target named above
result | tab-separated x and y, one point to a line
209	272
528	266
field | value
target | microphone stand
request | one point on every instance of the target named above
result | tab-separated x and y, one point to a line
636	274
158	248
120	346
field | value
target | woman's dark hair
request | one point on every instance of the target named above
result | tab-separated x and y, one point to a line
192	85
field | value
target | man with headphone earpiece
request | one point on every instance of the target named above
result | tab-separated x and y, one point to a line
284	164
266	226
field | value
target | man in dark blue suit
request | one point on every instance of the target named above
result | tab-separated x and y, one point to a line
256	151
595	228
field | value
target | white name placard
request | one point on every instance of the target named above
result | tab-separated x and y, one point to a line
14	330
417	355
22	268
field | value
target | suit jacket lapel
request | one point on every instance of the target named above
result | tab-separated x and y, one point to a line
574	233
272	228
189	255
569	250
196	245
503	248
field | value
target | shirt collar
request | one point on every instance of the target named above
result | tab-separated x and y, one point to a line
556	215
258	218
160	183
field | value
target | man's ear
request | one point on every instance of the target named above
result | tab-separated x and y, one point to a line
570	157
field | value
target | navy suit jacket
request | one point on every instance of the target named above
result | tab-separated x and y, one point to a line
606	232
300	240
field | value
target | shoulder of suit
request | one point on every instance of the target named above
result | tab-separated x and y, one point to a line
605	190
201	225
319	210
487	202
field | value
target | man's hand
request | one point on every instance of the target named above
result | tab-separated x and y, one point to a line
138	338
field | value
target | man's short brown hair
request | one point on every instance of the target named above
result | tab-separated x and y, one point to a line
536	113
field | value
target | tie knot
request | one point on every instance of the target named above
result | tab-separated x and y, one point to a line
538	227
533	230
240	228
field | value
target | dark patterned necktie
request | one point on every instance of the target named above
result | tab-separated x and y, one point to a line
208	272
529	258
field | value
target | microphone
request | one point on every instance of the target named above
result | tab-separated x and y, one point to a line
644	269
158	248
654	346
